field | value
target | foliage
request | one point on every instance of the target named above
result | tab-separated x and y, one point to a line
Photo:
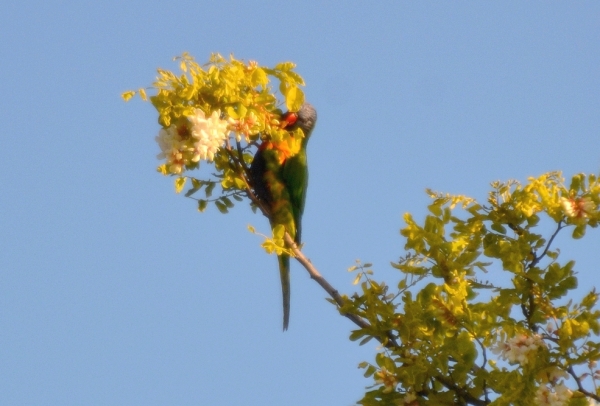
230	93
448	336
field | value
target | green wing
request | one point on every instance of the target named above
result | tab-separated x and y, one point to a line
295	178
271	188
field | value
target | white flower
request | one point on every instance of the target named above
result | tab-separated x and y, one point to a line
209	134
517	349
170	144
558	395
166	139
577	207
188	142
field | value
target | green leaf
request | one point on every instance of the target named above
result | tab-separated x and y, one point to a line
202	205
242	110
196	184
285	66
294	98
579	231
370	370
499	228
239	184
222	208
209	189
259	77
142	93
357	334
179	184
365	340
589	300
435	208
231	112
568	283
162	169
128	95
191	192
576	183
227	202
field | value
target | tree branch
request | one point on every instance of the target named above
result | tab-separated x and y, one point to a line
470	399
580	387
389	341
317	277
538	259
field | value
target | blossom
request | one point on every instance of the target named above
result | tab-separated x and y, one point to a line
385	378
556	395
577	207
198	137
518	348
171	147
252	65
245	126
209	134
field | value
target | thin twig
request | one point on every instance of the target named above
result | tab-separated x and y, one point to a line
463	393
580	387
538	259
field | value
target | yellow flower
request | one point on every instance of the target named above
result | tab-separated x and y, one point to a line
386	379
245	126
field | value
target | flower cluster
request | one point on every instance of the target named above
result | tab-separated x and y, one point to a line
557	395
519	348
577	207
208	133
198	138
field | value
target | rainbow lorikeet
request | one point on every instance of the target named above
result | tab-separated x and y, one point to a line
280	182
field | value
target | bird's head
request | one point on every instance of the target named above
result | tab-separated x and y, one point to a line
305	118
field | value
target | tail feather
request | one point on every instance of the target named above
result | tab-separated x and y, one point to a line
284	273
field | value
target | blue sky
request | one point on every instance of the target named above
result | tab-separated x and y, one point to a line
114	290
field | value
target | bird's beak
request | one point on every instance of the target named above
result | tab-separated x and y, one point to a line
288	119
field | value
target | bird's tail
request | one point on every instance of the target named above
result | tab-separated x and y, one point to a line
284	273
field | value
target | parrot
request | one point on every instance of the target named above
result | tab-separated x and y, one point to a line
280	182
